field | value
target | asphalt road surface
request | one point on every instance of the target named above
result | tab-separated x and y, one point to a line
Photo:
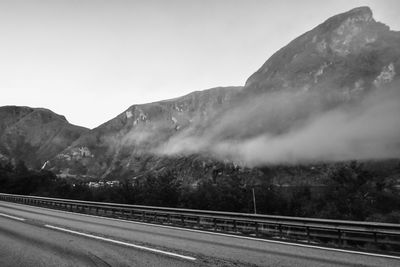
32	236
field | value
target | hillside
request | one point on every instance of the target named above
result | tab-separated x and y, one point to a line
329	95
34	135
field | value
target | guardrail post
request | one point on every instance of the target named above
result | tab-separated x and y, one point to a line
198	221
256	228
215	224
308	234
280	230
375	239
234	226
339	238
183	219
344	240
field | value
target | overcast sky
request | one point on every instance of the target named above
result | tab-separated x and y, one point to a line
91	59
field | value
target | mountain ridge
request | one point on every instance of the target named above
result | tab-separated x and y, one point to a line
34	134
328	73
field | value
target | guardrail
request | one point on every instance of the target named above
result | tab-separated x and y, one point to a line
369	236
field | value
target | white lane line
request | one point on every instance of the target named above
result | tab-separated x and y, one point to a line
230	235
122	243
12	217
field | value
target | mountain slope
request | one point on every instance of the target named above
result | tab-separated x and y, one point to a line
350	51
34	135
128	141
329	95
330	78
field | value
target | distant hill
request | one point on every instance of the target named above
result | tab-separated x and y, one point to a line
34	135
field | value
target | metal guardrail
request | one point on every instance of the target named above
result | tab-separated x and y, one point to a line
371	236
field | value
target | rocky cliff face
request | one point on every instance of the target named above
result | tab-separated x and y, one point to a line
34	135
350	52
128	143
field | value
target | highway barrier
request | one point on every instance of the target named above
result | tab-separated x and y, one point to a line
365	236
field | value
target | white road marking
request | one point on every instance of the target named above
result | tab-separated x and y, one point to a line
229	235
12	217
122	243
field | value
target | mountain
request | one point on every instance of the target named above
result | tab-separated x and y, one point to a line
345	69
329	95
128	141
34	135
350	52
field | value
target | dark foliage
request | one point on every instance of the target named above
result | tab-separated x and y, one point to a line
354	192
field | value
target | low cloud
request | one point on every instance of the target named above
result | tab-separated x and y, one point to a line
299	127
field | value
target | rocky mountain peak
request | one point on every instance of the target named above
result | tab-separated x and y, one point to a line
351	47
358	14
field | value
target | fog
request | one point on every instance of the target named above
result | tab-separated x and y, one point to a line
299	127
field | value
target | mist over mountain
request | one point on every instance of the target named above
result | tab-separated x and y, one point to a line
332	94
329	95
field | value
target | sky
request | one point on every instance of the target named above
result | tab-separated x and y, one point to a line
89	60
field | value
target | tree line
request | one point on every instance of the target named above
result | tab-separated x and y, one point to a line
352	193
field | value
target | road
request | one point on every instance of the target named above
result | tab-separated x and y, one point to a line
33	236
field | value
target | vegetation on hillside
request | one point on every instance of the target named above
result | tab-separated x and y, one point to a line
354	192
